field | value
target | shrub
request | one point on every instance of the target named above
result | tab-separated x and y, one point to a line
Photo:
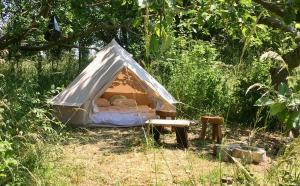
194	73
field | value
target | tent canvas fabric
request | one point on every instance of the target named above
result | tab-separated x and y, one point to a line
103	77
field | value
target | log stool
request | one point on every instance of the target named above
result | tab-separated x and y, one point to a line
216	122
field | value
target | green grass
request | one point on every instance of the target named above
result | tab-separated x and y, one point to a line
91	158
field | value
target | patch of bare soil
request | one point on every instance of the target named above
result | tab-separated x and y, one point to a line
110	156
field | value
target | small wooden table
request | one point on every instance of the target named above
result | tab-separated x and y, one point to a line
181	128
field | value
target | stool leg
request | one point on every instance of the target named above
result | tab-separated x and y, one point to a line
203	131
219	138
156	133
182	136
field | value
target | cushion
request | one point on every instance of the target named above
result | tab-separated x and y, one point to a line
102	102
111	99
124	103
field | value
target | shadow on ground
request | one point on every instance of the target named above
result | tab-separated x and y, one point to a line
124	140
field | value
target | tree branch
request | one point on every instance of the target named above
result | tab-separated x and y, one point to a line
7	39
98	3
275	8
292	58
272	7
61	42
277	24
75	46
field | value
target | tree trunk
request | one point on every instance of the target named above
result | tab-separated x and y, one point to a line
83	54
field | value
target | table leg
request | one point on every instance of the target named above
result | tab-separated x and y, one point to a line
203	131
156	133
182	136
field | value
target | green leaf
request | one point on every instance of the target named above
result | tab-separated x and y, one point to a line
167	41
283	116
244	31
170	3
246	2
142	3
293	120
276	108
154	43
282	88
264	101
296	122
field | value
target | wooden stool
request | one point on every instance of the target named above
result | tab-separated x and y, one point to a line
216	122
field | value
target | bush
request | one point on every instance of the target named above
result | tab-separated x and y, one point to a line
26	124
196	75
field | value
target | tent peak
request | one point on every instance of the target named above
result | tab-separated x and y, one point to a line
101	71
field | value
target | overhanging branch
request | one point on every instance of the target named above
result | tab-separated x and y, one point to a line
63	41
292	58
8	39
277	24
76	46
272	7
275	8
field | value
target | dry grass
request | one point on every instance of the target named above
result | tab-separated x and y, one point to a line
121	157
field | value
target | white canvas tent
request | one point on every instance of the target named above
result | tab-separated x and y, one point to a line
112	72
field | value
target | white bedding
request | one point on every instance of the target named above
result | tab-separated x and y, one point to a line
121	118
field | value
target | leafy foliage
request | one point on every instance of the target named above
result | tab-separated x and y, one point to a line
205	52
284	103
26	122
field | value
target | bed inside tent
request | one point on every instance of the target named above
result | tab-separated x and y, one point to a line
126	102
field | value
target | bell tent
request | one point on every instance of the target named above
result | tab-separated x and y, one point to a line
113	90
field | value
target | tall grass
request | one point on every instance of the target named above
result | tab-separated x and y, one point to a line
197	75
27	124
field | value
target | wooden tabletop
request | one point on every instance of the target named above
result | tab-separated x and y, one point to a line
169	122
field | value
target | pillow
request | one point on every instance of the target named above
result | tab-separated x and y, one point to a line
124	103
111	99
102	102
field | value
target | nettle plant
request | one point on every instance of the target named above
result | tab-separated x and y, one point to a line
284	103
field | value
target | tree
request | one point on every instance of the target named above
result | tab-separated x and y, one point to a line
23	26
285	16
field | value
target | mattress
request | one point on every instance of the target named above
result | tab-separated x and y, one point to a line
120	116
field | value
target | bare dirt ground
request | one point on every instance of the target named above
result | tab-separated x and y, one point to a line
110	156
